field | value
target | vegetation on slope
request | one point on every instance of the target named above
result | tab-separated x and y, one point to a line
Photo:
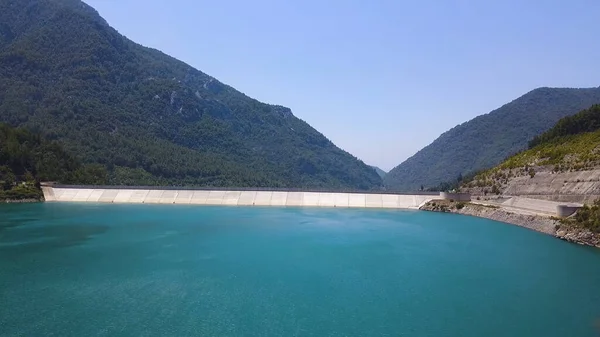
573	144
26	159
379	171
585	121
568	153
148	118
587	217
487	140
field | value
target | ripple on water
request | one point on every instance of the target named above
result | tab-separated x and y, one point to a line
96	270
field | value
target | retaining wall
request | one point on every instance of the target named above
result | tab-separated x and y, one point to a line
455	196
536	205
232	198
566	210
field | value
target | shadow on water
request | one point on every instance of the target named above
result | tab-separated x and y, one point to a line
30	228
6	224
25	239
11	216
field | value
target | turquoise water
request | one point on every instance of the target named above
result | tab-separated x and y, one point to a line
142	270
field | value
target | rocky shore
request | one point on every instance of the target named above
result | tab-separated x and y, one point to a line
20	201
547	225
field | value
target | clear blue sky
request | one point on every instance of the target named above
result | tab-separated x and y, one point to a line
380	78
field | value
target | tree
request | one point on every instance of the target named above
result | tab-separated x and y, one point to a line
7	177
111	102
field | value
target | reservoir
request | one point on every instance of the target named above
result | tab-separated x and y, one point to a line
69	269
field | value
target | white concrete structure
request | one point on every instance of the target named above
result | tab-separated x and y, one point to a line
535	205
184	197
233	198
530	206
95	196
247	198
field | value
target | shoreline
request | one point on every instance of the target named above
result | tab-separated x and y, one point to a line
539	223
20	201
542	224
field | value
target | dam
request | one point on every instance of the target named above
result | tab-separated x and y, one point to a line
226	197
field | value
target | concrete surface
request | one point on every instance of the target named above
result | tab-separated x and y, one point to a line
527	206
232	198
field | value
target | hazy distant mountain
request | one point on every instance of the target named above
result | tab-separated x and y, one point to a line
149	118
379	171
486	140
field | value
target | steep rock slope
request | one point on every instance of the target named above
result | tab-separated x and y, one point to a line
486	140
149	118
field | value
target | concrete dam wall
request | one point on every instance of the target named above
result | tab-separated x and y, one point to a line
234	198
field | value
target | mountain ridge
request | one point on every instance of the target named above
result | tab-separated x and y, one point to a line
379	171
487	139
149	118
561	163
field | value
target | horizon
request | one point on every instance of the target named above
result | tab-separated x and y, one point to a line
417	94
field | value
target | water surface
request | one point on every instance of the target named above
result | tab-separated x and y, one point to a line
143	270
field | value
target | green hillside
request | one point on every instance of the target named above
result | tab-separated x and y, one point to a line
147	117
487	140
379	171
26	159
585	121
573	144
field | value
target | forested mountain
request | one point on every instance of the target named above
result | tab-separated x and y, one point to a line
26	159
562	161
379	171
485	141
573	144
587	120
147	117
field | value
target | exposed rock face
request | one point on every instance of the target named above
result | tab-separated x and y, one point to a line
537	223
580	236
577	186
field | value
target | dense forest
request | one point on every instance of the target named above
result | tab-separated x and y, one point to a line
487	140
150	119
572	144
379	171
585	121
26	159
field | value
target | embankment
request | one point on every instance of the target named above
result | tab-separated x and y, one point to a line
537	222
544	183
19	201
233	198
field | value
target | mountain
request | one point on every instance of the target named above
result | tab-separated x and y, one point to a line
147	117
379	171
26	159
561	164
485	141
